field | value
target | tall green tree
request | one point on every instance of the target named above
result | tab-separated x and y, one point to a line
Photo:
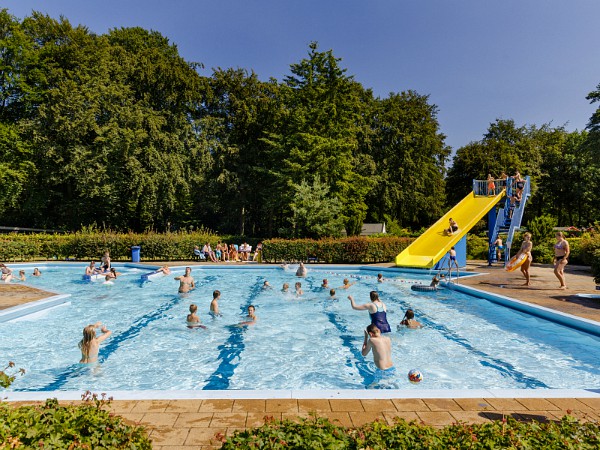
242	190
315	213
318	135
410	160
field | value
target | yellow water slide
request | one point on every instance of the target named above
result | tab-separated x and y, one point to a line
433	244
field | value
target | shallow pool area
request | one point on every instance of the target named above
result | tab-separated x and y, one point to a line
305	343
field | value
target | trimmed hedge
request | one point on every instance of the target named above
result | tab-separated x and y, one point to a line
179	246
351	250
155	246
320	433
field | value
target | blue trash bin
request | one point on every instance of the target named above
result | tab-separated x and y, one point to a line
135	253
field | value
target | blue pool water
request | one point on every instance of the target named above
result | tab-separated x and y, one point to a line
311	342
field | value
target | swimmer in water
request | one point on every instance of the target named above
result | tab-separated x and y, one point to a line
299	291
285	288
90	344
380	345
36	272
193	321
409	320
346	284
332	294
186	282
266	285
380	278
377	311
214	304
301	272
251	317
325	284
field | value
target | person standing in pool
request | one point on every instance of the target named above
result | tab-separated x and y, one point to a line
377	311
561	255
380	345
214	304
301	272
525	249
186	282
90	344
105	262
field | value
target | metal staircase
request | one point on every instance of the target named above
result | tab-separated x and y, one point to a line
508	220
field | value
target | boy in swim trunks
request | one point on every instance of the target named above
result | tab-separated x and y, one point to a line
380	345
214	305
193	321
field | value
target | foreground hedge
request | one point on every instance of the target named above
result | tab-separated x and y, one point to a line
319	433
87	426
351	250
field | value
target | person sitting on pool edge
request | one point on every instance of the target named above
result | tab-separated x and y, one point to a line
381	346
409	320
90	344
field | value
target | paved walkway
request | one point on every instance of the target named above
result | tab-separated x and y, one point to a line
197	424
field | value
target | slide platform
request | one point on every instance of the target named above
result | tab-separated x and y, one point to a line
432	245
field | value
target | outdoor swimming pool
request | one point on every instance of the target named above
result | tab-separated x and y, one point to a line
311	342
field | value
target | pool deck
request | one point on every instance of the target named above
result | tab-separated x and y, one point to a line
198	423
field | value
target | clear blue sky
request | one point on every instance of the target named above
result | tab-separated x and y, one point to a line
533	61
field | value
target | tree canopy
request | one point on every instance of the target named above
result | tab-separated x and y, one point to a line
118	130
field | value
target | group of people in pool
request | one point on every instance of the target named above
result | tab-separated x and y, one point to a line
106	269
6	274
374	339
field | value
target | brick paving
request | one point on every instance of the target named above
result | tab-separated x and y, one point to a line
198	424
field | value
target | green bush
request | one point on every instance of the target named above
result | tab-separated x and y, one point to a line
477	247
590	250
319	433
86	426
350	250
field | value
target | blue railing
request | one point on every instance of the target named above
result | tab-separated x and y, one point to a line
481	188
517	216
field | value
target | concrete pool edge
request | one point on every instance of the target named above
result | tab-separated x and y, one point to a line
344	394
26	309
578	323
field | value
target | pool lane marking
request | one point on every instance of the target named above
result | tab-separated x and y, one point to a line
113	344
504	367
231	348
348	341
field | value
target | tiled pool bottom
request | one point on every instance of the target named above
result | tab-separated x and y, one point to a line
340	394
